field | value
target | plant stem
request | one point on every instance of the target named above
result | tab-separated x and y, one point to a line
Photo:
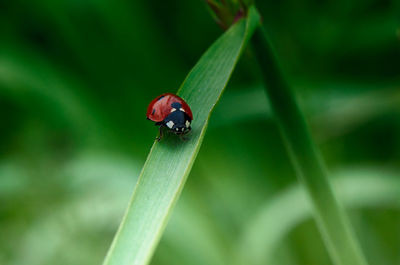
330	217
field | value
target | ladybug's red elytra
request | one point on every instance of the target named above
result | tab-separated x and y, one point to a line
170	111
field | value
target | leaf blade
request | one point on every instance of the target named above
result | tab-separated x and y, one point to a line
169	162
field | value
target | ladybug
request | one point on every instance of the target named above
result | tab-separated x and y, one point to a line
170	111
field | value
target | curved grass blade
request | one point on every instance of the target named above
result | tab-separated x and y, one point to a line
363	188
30	81
169	162
331	219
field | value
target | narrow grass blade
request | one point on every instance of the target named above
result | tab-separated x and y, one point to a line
170	160
331	219
362	188
29	80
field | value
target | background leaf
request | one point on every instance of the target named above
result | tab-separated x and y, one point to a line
360	188
76	78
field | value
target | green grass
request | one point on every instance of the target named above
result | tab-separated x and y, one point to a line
170	160
75	81
306	159
360	189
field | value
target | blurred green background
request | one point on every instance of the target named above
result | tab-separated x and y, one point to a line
75	81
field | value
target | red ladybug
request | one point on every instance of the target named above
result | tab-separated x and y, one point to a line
170	111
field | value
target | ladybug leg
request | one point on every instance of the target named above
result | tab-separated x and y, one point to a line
183	138
161	134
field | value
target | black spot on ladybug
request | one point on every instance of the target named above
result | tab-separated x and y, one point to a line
154	111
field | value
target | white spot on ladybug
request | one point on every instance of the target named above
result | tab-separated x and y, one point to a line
170	124
187	123
177	129
181	109
173	109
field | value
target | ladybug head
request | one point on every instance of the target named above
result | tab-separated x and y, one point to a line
178	120
177	106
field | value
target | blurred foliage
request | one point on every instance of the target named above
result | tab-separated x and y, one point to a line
75	81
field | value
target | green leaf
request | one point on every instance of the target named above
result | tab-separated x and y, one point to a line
357	188
332	221
32	82
170	160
